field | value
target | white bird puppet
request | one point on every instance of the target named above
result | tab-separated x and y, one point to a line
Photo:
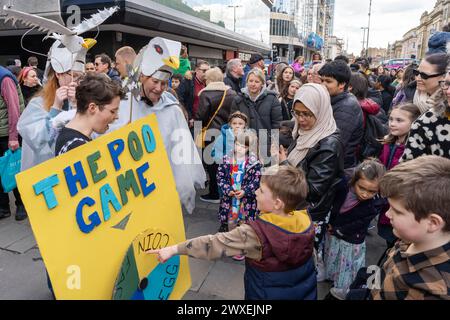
158	59
70	38
160	55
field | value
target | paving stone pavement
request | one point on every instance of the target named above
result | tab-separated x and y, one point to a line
22	272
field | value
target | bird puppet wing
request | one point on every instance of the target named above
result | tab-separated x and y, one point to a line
32	20
95	20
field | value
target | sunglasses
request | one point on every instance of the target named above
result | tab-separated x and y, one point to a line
425	76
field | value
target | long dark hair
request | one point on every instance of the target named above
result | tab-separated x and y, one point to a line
283	87
385	82
370	169
414	113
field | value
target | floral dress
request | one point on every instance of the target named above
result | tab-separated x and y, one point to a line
250	183
236	213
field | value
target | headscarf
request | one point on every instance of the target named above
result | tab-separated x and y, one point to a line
317	99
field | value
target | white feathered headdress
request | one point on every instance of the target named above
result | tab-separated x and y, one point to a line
158	59
69	50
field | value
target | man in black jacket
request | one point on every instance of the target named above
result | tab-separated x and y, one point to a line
234	74
189	88
346	109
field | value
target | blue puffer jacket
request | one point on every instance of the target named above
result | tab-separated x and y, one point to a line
224	144
296	284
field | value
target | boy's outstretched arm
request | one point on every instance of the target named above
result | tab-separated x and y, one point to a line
240	241
164	254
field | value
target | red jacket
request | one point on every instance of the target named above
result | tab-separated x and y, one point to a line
369	107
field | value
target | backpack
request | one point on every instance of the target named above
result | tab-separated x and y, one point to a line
374	131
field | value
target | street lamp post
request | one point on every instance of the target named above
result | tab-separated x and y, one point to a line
368	27
364	41
234	8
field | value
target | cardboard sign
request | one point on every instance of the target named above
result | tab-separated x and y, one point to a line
87	206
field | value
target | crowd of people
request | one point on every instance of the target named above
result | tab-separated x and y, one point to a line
301	159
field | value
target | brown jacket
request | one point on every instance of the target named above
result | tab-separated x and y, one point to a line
210	98
421	276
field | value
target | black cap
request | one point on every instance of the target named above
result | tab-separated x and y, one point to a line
255	57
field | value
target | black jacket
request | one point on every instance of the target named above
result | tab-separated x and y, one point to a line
264	113
351	226
209	102
185	94
375	96
233	83
349	120
387	100
324	169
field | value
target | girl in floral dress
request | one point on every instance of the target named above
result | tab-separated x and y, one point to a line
355	205
238	179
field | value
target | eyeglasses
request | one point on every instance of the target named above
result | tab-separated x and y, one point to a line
444	84
425	76
302	114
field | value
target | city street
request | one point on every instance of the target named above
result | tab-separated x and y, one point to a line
22	273
104	106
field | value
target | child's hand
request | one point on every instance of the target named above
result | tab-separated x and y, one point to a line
164	254
239	194
232	194
283	154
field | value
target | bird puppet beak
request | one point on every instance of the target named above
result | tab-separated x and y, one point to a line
173	62
88	43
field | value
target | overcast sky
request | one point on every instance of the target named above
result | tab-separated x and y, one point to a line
390	20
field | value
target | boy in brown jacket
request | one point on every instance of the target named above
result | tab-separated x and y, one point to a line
278	246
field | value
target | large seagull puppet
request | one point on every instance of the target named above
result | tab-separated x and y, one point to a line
69	37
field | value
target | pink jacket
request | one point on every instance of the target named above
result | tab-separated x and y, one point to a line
390	158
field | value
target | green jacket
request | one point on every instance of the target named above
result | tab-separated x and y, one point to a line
185	65
4	123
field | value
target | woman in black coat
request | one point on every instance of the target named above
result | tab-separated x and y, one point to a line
318	151
261	106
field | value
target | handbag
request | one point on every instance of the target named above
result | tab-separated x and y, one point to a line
10	166
200	138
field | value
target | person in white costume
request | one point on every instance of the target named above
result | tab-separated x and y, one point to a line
65	67
153	67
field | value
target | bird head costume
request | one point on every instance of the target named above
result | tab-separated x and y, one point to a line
68	52
158	59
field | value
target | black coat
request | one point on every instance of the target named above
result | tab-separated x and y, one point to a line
349	120
233	83
352	226
376	96
185	92
387	100
264	113
324	169
209	102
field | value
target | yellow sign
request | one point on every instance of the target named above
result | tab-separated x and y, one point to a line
86	207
